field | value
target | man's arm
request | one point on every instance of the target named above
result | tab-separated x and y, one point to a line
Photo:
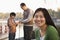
30	16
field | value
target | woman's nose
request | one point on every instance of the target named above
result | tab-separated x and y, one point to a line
38	18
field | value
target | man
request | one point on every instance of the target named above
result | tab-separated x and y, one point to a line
28	21
12	26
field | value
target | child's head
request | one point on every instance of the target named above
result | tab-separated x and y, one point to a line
12	15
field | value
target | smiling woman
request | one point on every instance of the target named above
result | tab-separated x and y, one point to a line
46	29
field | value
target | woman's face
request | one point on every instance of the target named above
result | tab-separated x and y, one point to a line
39	19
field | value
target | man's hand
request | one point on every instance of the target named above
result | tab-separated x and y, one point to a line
20	22
17	22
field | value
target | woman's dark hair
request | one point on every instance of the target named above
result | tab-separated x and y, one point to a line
46	15
22	4
12	14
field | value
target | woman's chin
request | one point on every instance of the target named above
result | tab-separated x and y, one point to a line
39	25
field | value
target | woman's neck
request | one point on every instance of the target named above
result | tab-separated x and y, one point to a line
43	28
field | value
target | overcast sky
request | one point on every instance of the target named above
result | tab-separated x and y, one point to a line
14	5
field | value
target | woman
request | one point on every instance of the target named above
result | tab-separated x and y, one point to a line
46	29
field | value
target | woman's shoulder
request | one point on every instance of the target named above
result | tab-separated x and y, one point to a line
36	30
52	33
51	30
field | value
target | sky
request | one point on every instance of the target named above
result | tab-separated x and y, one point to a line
14	5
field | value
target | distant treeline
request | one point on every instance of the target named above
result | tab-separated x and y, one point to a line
53	13
6	15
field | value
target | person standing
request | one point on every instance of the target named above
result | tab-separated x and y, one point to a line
27	21
12	26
